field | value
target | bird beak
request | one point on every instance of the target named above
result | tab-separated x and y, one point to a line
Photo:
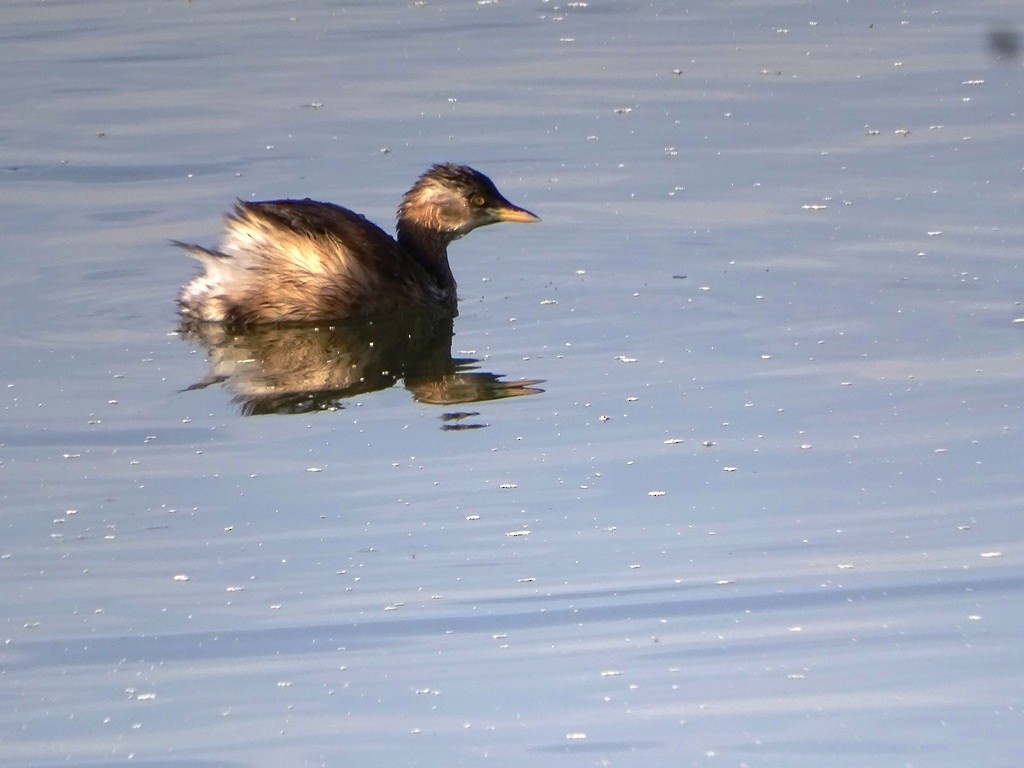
508	212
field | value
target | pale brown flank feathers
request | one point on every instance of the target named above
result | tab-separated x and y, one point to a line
284	261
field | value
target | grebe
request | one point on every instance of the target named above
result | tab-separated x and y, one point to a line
302	261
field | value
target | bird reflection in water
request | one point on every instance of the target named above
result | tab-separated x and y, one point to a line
303	369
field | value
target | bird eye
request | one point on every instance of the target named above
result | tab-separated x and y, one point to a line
478	201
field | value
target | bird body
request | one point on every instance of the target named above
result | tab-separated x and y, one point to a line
289	261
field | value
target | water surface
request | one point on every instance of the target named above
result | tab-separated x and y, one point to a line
765	510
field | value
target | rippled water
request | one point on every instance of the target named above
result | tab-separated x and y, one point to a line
761	505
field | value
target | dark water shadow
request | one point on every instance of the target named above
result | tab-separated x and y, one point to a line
304	369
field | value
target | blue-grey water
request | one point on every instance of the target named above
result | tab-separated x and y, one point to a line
765	509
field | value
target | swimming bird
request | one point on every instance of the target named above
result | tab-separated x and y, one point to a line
303	261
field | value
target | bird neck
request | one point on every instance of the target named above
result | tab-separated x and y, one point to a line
429	246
